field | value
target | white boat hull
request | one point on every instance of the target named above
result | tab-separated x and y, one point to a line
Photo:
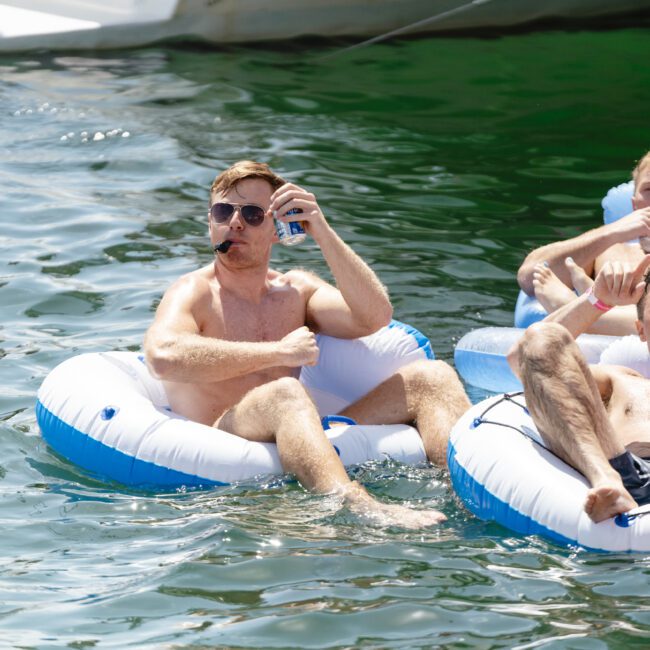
95	24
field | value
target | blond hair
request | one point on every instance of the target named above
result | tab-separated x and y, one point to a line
640	167
242	170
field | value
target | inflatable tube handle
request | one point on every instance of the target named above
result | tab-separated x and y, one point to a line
627	519
328	420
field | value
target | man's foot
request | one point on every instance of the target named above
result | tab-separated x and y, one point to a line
608	501
579	279
388	514
551	292
394	514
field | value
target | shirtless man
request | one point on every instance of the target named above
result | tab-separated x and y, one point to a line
552	272
596	418
228	341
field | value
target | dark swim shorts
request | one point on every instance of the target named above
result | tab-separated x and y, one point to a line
635	473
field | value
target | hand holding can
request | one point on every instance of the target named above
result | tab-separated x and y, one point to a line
291	232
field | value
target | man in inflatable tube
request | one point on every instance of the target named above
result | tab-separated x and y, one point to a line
228	340
554	271
595	418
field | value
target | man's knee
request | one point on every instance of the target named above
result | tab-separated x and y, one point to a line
262	410
287	390
434	385
543	340
427	375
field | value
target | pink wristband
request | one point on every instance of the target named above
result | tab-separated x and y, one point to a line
598	304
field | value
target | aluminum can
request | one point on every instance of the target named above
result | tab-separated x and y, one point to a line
290	233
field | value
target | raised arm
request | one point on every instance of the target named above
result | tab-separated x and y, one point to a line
359	305
584	249
176	350
615	284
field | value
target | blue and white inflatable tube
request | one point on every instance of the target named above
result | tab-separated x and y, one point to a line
616	204
105	413
502	472
481	360
528	310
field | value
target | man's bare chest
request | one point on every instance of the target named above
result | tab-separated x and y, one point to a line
629	408
236	319
630	253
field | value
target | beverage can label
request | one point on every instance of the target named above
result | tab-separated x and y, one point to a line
290	233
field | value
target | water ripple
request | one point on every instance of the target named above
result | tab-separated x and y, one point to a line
441	161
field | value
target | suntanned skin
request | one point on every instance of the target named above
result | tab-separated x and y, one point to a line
582	257
552	293
588	414
275	320
236	324
228	340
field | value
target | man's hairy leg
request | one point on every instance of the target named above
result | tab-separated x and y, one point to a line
282	412
565	404
427	394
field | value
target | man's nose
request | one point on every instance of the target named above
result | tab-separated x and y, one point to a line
236	220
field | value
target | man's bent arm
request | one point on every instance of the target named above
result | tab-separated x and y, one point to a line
614	286
584	249
360	304
176	350
577	317
195	358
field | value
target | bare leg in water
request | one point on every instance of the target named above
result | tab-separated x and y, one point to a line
566	405
282	412
426	394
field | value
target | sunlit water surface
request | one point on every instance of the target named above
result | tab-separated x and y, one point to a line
441	161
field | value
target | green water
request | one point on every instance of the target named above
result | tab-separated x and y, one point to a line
442	161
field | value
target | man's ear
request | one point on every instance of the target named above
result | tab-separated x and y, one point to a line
640	329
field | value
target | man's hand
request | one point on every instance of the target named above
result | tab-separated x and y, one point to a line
291	197
300	348
634	225
621	284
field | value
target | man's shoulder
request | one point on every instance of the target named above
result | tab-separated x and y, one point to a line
297	277
195	282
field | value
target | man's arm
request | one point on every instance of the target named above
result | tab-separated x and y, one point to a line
175	349
615	284
584	249
359	305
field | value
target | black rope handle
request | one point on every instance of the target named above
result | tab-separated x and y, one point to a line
622	520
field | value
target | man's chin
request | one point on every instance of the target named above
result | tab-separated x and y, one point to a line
238	258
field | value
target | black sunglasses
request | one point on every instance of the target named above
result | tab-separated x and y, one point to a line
253	215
